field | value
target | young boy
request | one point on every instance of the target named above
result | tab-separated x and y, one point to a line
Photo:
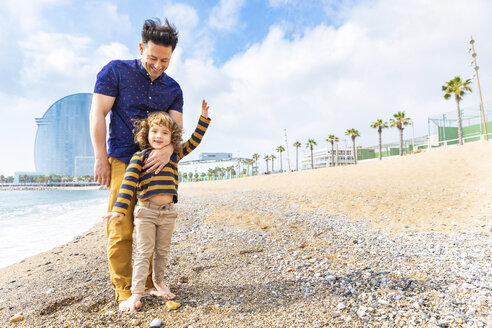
154	215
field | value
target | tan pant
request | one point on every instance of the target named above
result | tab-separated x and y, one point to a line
154	226
120	241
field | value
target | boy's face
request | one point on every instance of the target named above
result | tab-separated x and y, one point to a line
159	136
155	58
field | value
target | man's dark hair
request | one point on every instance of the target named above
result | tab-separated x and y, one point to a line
164	35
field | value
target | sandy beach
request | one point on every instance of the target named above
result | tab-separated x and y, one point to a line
403	242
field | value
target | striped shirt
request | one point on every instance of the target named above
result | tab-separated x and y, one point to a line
150	184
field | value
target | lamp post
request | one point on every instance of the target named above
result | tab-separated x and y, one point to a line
413	138
474	55
287	148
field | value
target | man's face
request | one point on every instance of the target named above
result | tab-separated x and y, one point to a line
155	58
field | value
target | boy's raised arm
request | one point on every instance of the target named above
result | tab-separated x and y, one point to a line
198	134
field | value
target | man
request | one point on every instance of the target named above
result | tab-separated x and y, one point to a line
129	89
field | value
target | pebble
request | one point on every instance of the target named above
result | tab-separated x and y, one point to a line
340	306
171	305
383	302
16	318
156	323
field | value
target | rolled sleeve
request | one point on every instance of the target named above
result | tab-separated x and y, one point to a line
107	81
177	104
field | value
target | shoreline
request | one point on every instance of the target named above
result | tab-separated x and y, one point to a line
47	187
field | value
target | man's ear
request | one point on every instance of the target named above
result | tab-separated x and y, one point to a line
140	45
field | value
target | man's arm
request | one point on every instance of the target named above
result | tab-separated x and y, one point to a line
159	158
101	105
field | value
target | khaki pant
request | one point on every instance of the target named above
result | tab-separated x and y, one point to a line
120	241
154	226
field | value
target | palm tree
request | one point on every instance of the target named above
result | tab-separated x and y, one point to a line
332	139
246	163
309	144
458	88
227	172
266	158
255	157
297	144
280	149
353	133
272	157
399	121
380	125
251	162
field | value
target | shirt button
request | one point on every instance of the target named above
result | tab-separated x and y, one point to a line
150	97
150	83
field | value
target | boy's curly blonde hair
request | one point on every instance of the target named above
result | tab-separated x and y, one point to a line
142	127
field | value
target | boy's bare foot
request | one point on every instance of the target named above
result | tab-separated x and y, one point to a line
132	304
161	290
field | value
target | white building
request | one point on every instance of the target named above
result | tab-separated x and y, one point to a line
322	157
205	163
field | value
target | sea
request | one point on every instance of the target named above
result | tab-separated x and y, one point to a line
34	221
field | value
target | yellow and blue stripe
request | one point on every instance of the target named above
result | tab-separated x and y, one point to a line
150	184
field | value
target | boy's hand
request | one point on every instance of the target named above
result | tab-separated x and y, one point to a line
113	215
205	108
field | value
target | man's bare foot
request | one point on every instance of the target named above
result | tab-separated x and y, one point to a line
132	304
161	290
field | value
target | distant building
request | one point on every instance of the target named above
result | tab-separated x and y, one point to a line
215	156
322	157
209	161
63	144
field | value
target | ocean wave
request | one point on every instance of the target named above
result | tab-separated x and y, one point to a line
33	229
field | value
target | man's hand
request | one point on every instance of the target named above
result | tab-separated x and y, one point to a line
112	216
101	105
158	159
102	172
205	108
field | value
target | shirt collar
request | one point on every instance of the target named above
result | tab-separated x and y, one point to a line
144	71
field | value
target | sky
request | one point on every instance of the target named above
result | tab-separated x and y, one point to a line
266	67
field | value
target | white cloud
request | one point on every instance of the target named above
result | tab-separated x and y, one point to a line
104	20
226	14
182	15
193	36
52	55
56	58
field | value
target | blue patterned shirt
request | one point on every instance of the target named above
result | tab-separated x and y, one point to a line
136	95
